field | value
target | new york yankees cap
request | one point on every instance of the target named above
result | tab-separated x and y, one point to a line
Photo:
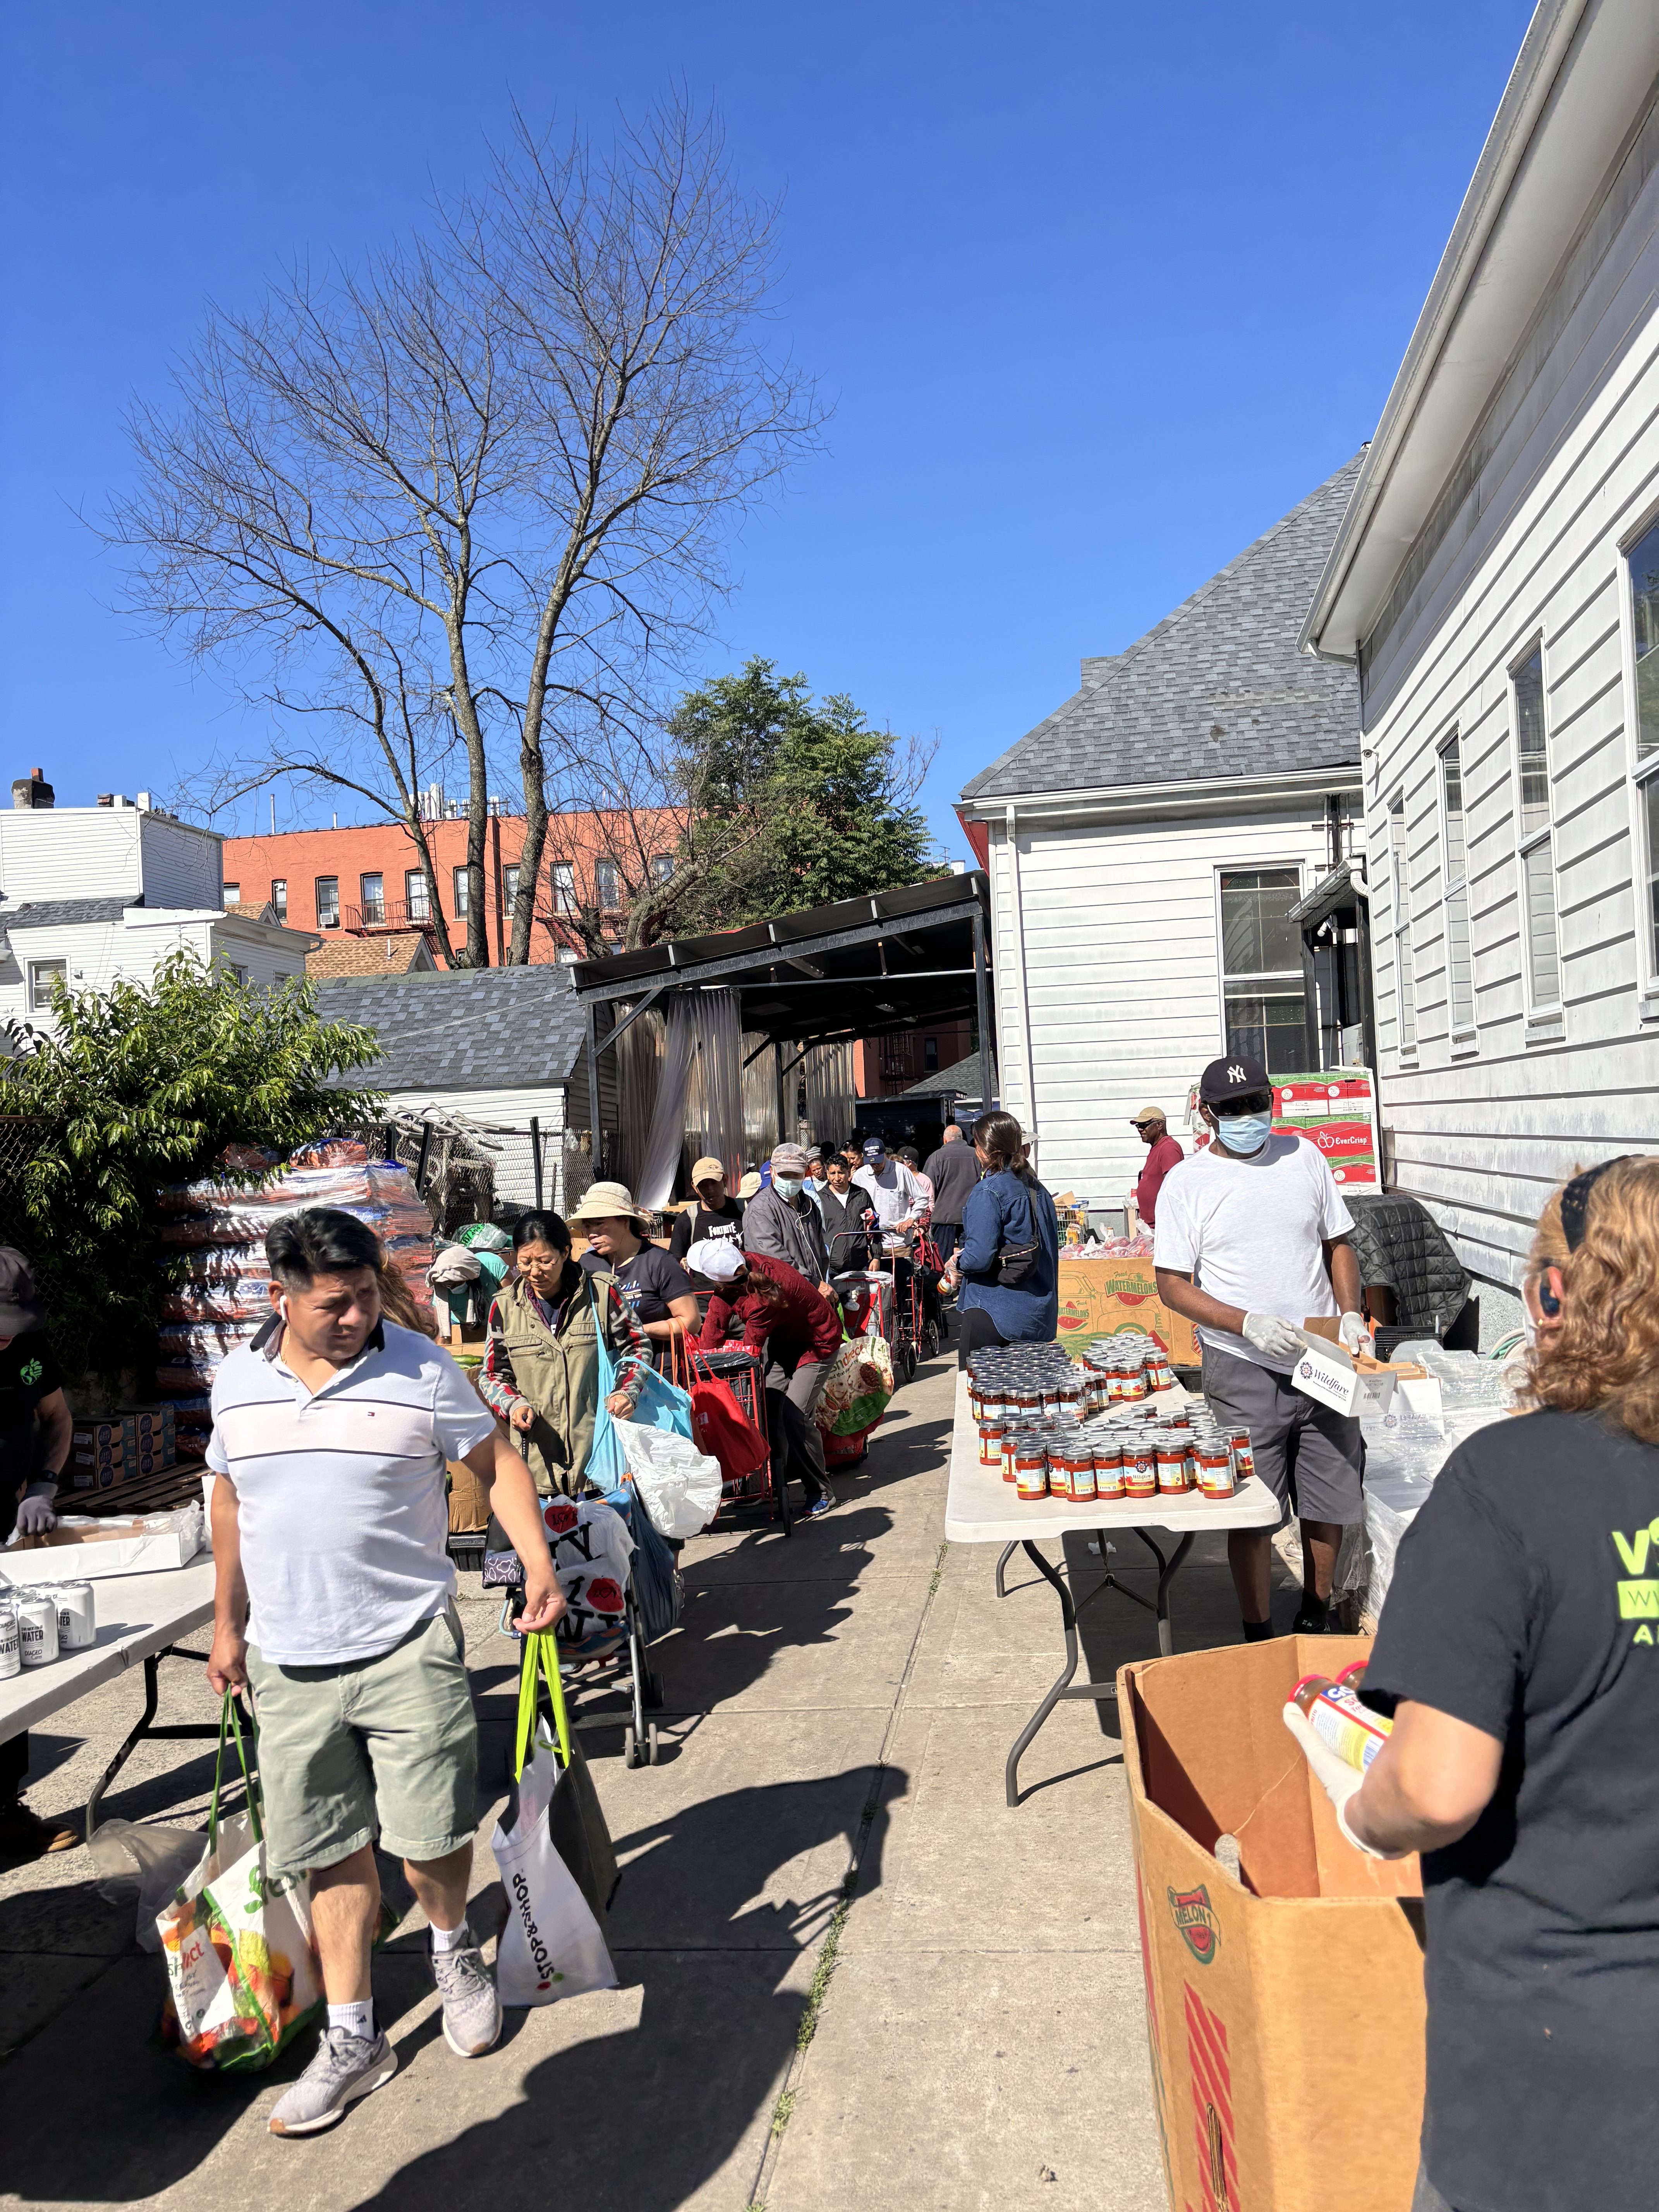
1234	1076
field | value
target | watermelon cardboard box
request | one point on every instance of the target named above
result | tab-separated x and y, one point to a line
1285	2008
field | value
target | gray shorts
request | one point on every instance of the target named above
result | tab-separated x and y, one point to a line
386	1747
1311	1458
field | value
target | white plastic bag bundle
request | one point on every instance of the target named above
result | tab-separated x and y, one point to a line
150	1864
679	1485
551	1946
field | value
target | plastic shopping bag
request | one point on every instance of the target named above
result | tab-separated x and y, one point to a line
134	1858
242	1970
605	1464
551	1946
662	1405
678	1485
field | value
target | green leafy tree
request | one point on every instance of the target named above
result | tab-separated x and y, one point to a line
148	1084
798	802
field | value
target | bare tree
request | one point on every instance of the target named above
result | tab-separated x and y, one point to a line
474	496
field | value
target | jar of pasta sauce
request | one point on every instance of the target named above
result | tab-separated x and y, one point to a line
1108	1470
1159	1373
1083	1475
1170	1455
1140	1467
1215	1469
1030	1470
1243	1454
990	1443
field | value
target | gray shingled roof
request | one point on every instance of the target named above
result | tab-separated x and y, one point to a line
486	1029
961	1077
1216	689
59	914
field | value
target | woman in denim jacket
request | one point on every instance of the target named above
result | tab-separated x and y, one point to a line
1008	1210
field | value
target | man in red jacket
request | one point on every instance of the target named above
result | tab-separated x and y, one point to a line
789	1321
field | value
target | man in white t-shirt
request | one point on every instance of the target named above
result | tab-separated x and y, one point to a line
334	1598
1251	1240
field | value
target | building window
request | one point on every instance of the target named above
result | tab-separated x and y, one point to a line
562	874
930	1056
1405	970
1264	997
232	893
1535	844
569	954
1644	625
1455	859
238	974
371	891
605	886
279	897
328	901
43	974
460	893
509	887
662	868
415	904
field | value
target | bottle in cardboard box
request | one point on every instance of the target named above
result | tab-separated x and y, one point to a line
1334	1713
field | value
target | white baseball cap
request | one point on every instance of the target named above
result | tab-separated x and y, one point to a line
716	1259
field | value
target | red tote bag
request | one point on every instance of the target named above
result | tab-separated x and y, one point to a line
720	1427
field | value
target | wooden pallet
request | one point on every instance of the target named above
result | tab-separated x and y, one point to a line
160	1491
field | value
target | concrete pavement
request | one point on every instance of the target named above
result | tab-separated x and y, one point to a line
823	1858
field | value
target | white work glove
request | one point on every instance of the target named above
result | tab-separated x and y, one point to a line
1274	1338
34	1513
1353	1333
1334	1776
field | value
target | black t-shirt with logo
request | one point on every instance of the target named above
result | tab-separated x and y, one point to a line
647	1282
1525	1602
29	1373
723	1225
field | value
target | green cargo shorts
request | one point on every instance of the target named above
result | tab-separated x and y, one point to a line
386	1747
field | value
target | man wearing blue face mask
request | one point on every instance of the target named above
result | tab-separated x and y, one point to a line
1251	1238
781	1223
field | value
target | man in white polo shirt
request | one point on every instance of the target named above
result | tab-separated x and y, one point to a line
1251	1239
333	1598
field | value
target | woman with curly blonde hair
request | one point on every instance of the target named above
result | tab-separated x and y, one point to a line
1518	1653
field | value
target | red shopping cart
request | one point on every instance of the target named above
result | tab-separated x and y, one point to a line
745	1487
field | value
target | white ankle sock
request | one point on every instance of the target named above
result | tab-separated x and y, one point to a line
452	1939
355	2019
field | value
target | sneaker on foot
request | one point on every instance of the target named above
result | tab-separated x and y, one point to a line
345	2067
472	2010
1322	1623
820	1506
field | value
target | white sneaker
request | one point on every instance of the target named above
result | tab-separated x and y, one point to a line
345	2067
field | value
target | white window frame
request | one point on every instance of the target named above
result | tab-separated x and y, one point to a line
229	893
1639	773
279	897
372	910
333	922
562	884
606	868
41	1001
1544	1012
415	896
1269	977
1468	1037
510	873
1399	892
457	886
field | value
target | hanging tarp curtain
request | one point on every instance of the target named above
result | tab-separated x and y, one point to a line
659	1171
713	1098
639	1075
832	1107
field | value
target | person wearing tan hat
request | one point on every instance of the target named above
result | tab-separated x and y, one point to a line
714	1217
652	1284
1162	1153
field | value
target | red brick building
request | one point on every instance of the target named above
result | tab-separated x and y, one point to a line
367	881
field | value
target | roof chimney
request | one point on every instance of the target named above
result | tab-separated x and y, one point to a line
32	790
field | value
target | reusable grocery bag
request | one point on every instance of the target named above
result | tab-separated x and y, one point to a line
857	1387
551	1947
678	1485
243	1975
720	1427
663	1405
605	1464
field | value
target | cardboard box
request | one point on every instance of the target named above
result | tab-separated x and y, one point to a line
1098	1296
1285	2011
91	1549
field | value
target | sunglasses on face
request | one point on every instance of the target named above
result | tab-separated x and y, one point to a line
1259	1102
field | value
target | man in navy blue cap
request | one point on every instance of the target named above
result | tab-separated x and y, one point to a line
1251	1238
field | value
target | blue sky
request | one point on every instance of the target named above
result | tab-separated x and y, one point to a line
1096	292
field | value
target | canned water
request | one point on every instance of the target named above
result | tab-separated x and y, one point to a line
37	1628
77	1616
10	1659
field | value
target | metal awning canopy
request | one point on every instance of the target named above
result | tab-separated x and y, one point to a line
863	967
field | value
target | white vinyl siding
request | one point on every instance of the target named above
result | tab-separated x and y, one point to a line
1485	1140
73	852
1642	582
183	866
1112	943
1404	974
515	1174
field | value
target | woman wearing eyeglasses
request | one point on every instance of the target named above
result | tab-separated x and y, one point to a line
1251	1240
1518	1654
